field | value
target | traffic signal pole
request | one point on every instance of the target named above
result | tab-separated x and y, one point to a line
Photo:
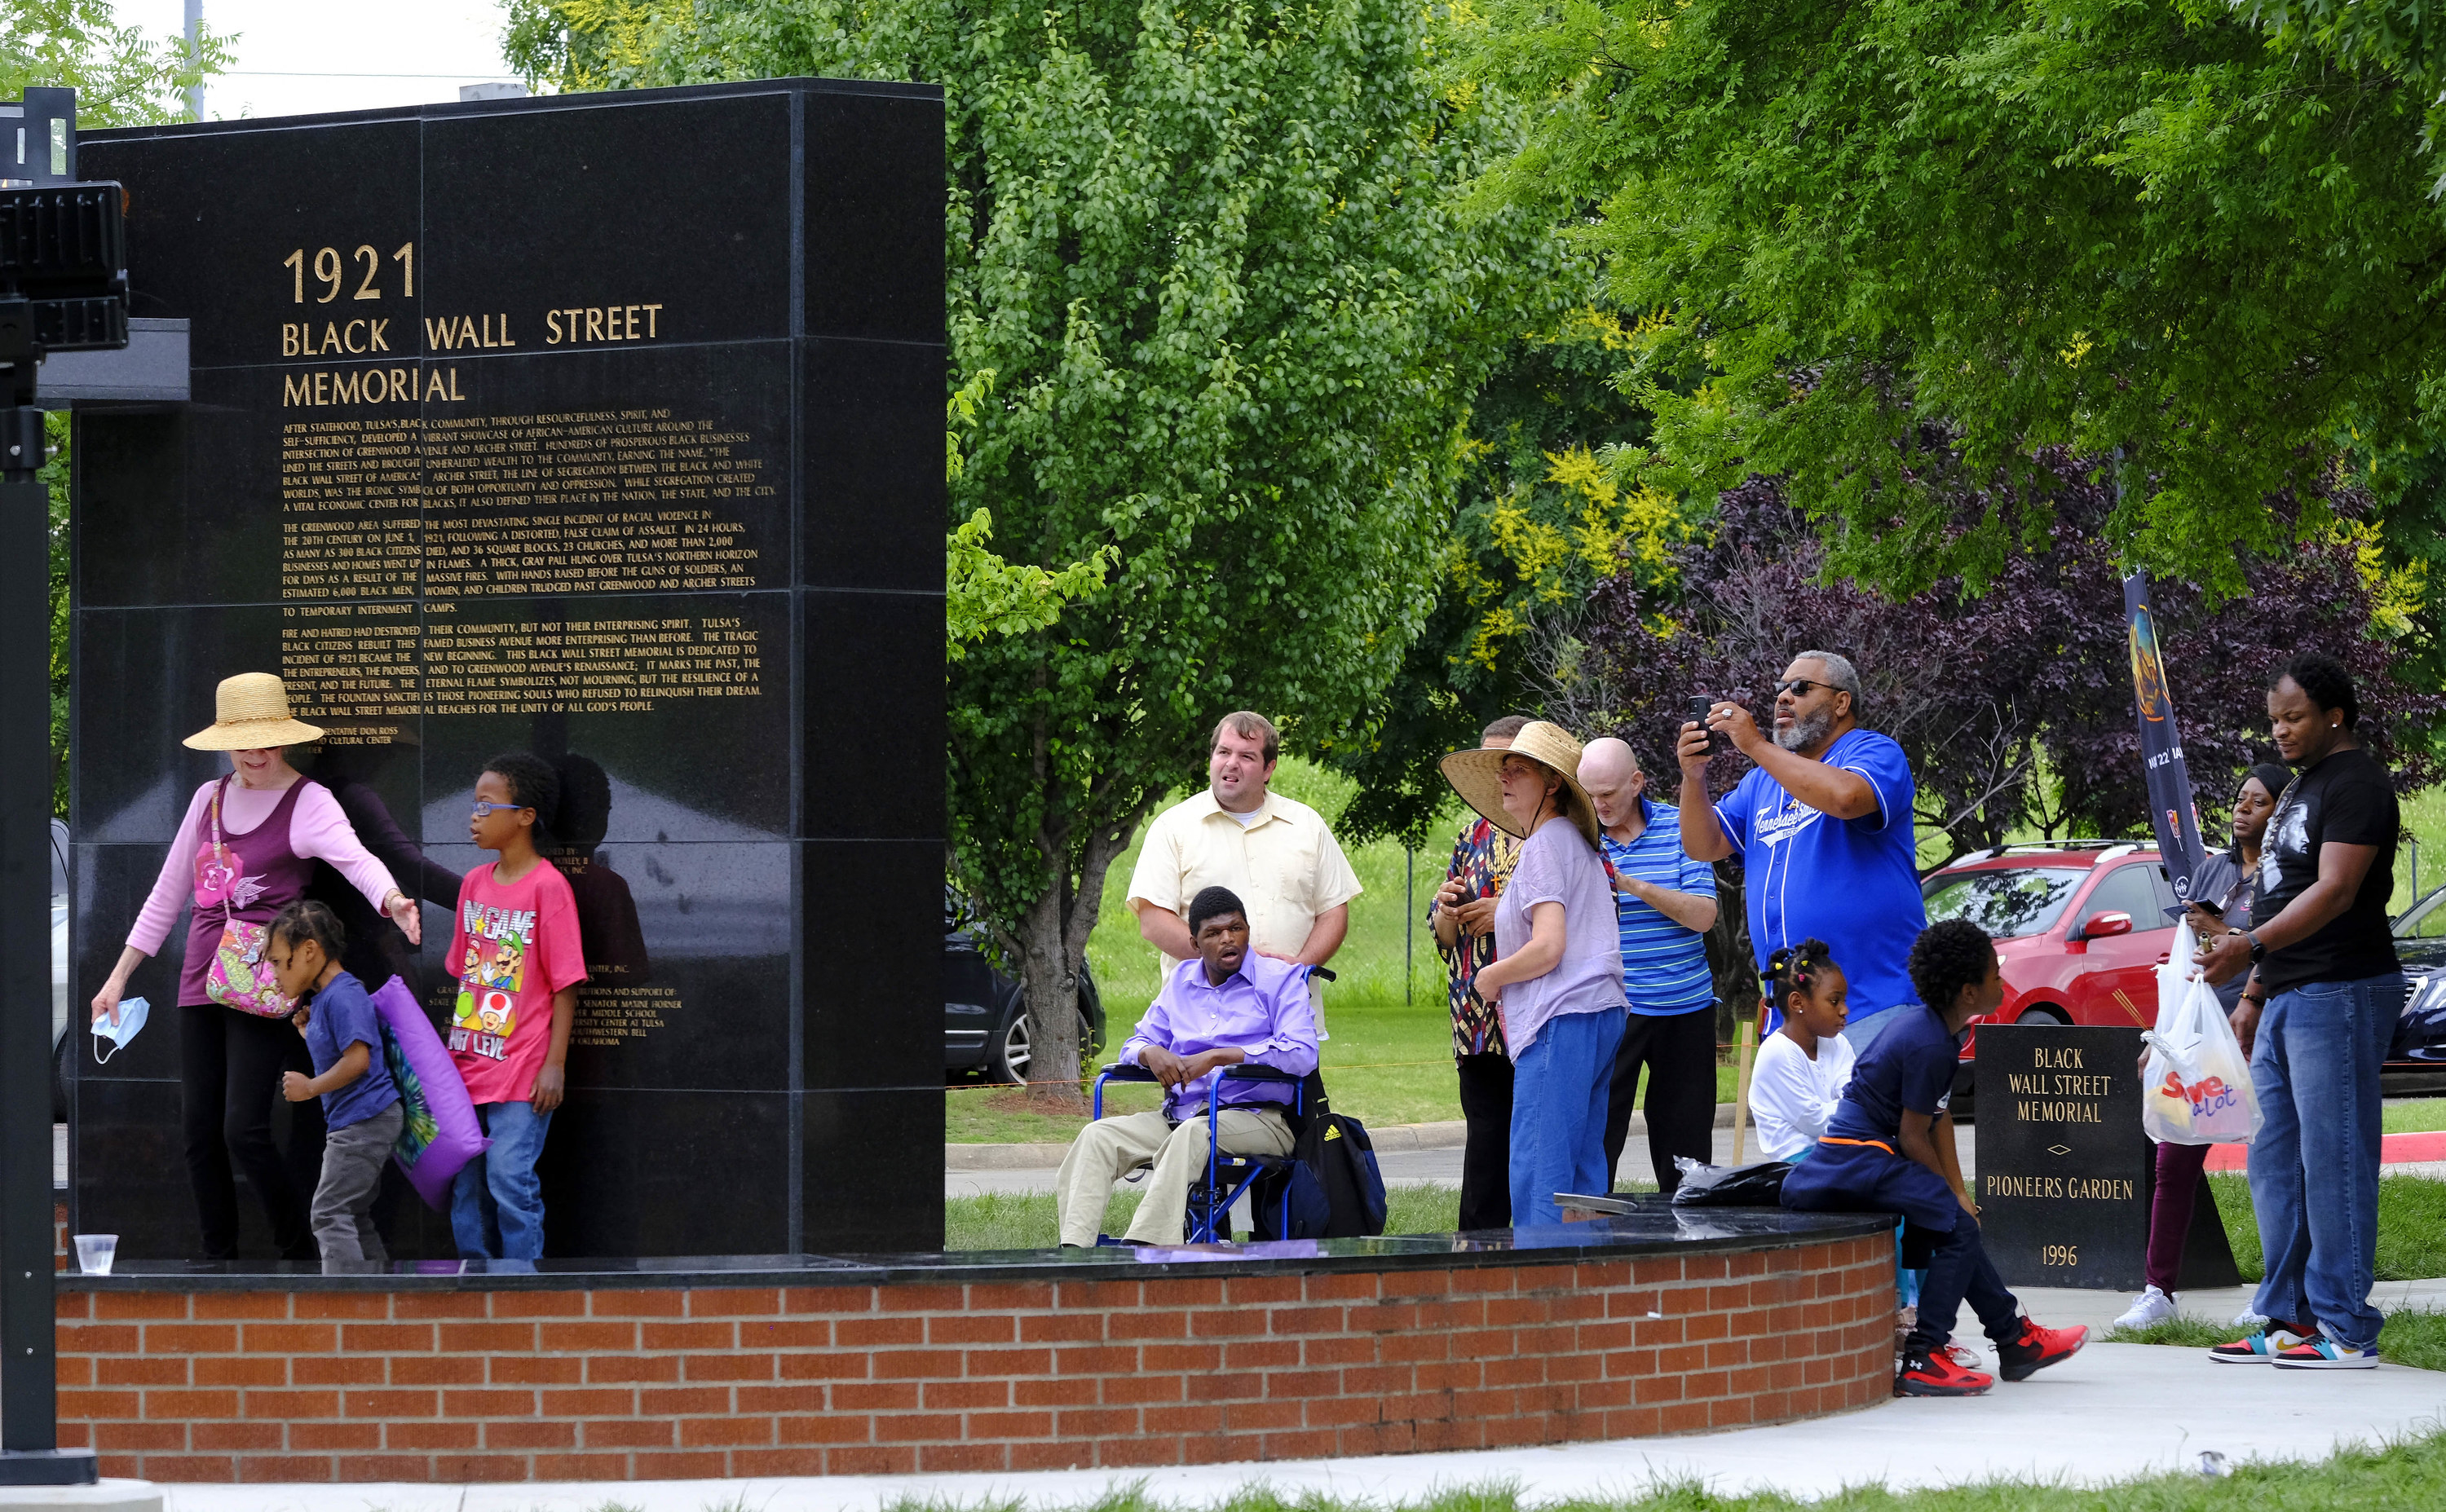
61	283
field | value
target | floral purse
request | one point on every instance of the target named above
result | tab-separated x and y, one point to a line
241	975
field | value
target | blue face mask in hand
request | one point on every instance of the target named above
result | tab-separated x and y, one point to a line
131	1024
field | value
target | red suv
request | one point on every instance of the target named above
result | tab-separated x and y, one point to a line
2080	928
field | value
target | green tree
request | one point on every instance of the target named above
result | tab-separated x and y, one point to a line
1213	253
1548	506
983	594
1913	242
122	78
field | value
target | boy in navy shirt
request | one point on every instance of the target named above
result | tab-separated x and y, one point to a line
360	1106
1889	1147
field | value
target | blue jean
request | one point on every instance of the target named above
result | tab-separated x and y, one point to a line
1863	1179
496	1199
1863	1031
1559	1088
2314	1166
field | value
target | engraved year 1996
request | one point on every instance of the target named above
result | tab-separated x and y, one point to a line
2060	1255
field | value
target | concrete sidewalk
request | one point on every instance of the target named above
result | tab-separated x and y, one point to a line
2113	1412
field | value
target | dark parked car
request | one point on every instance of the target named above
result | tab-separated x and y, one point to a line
2420	945
985	1014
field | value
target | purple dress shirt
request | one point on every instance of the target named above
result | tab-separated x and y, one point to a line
1262	1010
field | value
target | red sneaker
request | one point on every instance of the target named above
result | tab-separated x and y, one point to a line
1937	1375
2038	1348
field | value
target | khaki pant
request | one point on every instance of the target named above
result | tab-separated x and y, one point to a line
1110	1148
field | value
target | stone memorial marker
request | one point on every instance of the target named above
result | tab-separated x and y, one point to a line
603	426
2065	1175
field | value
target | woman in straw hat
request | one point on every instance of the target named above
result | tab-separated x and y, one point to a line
244	852
1556	977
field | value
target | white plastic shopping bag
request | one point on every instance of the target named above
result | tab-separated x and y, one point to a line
2196	1088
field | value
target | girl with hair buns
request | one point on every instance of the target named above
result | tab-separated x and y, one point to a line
1556	977
1803	1067
244	852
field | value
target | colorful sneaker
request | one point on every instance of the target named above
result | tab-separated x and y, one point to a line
2038	1348
1937	1375
2258	1348
2153	1306
2324	1354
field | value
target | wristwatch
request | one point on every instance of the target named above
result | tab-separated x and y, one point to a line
2258	951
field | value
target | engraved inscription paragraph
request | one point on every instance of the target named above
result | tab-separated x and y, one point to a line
348	496
595	501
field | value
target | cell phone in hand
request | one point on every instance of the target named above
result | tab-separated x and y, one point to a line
1699	704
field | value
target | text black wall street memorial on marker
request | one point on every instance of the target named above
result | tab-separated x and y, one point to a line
606	428
2063	1174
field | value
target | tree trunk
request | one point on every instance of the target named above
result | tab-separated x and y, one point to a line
1729	957
1053	948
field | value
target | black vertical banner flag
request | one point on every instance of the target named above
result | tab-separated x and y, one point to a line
2172	811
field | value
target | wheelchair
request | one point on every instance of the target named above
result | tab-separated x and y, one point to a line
1227	1175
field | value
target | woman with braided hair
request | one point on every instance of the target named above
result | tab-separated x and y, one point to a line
1804	1066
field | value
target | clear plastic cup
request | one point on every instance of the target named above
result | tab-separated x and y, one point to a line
95	1253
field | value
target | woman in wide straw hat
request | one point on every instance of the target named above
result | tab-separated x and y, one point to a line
244	852
1556	977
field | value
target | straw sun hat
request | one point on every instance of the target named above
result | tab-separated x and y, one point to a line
1478	776
251	712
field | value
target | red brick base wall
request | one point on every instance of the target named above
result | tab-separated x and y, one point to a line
447	1386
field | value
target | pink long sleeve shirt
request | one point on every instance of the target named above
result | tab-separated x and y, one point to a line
317	827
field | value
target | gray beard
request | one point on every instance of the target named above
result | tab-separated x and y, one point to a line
1805	732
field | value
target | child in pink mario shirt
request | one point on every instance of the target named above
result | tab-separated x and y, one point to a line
517	954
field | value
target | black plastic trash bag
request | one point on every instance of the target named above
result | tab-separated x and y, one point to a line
1758	1186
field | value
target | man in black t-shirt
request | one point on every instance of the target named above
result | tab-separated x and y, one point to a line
2316	1018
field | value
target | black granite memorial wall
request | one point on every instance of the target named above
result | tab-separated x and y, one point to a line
607	427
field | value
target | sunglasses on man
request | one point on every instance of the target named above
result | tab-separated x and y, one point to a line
1799	687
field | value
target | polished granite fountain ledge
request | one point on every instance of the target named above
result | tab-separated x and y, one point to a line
1651	1229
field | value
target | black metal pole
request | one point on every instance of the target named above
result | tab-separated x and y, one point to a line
30	1452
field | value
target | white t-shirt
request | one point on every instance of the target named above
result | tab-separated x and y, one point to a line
1792	1096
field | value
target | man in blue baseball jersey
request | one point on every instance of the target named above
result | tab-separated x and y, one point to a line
1823	827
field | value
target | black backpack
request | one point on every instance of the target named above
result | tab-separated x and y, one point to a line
1336	1190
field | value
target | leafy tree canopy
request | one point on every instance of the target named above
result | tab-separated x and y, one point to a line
2191	242
1549	505
1213	254
121	79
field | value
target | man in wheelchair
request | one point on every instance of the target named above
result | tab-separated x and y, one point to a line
1229	1007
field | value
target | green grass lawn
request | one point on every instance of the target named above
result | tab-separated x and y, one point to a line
2416	1115
2410	1337
2411	1226
2409	1474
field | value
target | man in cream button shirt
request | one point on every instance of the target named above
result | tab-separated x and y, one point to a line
1276	854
